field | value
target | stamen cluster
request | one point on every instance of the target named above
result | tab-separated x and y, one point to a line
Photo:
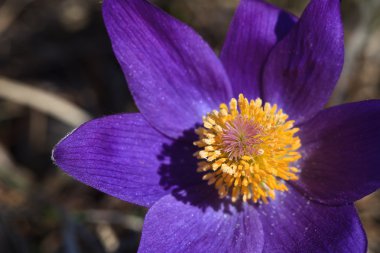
247	150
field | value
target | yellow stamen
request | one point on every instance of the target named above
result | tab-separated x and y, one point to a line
247	150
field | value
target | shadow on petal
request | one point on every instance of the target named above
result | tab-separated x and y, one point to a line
178	174
284	23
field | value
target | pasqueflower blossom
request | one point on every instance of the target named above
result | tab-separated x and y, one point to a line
233	153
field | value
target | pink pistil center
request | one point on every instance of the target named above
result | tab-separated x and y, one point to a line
240	138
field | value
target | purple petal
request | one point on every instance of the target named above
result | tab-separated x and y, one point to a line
292	223
174	76
341	147
254	30
175	226
123	156
304	67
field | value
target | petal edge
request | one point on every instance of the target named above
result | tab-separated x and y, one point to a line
256	27
341	147
116	155
174	76
303	68
174	226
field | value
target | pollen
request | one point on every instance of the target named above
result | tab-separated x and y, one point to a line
248	150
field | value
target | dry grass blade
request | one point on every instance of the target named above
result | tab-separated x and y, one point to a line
43	101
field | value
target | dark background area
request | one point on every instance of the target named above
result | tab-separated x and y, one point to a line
57	70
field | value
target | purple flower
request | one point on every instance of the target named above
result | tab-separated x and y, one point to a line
268	198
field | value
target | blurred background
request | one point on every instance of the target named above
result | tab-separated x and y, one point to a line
57	70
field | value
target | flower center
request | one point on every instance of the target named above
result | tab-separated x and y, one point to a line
247	150
240	137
